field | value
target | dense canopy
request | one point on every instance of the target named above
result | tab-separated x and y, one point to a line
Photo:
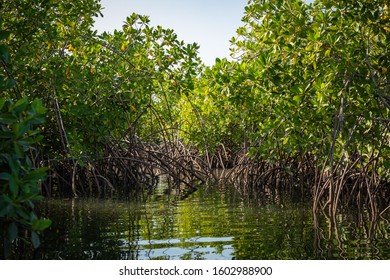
303	105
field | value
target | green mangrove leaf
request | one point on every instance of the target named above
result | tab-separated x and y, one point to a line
36	242
5	176
12	231
41	224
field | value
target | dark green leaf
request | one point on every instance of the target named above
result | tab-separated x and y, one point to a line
37	174
4	54
6	209
4	34
7	118
20	106
12	231
11	83
23	213
13	185
5	176
35	239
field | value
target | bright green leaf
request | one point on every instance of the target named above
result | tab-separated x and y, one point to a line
41	224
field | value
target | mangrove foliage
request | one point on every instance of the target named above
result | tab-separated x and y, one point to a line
302	106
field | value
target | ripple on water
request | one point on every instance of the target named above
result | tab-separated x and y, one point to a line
217	248
209	224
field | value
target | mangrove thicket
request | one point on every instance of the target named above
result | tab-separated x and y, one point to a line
301	107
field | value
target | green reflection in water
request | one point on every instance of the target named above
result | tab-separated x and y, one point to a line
210	223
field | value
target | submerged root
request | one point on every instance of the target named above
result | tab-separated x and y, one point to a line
126	166
351	184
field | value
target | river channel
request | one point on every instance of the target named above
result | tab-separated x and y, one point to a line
211	223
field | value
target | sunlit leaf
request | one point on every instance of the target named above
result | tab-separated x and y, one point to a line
41	224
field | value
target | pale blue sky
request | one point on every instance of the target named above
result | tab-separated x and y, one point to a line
210	23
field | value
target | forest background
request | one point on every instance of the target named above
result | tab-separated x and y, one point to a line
303	106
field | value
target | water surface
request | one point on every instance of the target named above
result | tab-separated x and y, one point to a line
211	223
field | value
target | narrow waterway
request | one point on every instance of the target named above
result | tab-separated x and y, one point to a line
210	223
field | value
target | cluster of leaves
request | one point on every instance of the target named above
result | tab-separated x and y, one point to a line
96	86
41	33
19	179
307	79
145	69
209	118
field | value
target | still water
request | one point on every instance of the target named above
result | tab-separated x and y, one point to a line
210	223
